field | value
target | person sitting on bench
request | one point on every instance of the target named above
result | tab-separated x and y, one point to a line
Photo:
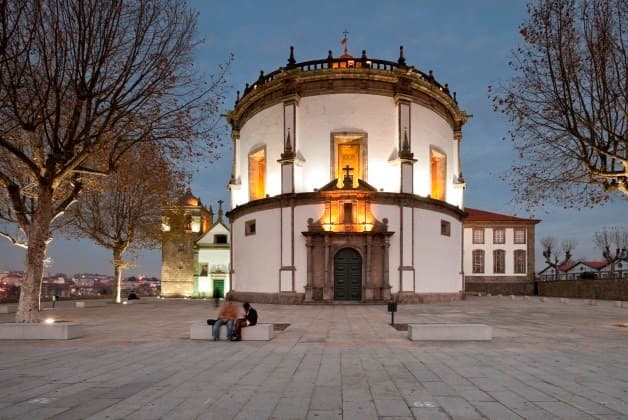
227	315
250	318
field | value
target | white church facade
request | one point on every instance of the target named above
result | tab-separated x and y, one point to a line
346	184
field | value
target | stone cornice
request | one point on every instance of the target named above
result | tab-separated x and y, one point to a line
319	197
286	85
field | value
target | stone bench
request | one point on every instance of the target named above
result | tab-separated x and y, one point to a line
8	309
90	303
259	332
450	332
56	331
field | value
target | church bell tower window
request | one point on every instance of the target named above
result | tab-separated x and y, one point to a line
257	174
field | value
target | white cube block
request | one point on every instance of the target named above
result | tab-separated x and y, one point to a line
8	309
450	332
57	331
259	332
90	303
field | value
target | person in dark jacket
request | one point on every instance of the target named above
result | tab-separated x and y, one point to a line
250	318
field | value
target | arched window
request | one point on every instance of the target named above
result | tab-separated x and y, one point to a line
499	261
439	174
257	174
478	261
521	262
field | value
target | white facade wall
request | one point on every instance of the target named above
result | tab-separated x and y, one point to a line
257	258
317	117
488	246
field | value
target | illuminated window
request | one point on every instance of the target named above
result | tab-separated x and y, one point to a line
499	261
520	236
439	174
478	261
445	228
499	236
478	235
348	150
257	174
521	261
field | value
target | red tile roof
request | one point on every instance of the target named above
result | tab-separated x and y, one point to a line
475	215
595	264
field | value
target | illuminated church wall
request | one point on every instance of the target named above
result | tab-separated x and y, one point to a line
397	131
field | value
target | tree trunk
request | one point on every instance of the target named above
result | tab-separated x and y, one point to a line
117	273
38	236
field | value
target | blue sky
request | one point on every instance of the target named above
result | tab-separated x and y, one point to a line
466	43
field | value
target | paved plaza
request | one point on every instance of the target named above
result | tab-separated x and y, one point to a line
547	360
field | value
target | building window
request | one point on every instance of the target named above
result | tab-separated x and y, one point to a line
445	228
439	174
204	270
257	174
478	261
520	236
478	235
187	222
348	150
499	235
521	262
348	213
249	227
220	239
499	261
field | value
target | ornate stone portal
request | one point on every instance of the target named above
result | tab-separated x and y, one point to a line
347	225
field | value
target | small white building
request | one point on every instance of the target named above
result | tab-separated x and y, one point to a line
213	261
498	253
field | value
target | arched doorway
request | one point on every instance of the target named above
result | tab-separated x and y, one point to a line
347	275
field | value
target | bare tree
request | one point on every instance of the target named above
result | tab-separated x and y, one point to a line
122	212
554	257
567	103
81	83
614	245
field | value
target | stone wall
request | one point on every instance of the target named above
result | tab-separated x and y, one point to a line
178	263
608	289
500	288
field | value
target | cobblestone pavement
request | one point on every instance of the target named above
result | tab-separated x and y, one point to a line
547	360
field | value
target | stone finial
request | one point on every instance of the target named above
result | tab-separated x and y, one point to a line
211	215
291	61
363	55
220	213
261	76
402	60
288	142
237	96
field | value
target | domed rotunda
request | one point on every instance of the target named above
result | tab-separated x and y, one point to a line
346	184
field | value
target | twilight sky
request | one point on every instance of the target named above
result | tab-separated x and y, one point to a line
466	44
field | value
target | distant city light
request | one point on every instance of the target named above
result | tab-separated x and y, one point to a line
49	321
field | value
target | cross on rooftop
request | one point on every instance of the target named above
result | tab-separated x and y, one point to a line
347	169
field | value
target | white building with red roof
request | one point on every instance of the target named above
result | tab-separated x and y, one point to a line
498	254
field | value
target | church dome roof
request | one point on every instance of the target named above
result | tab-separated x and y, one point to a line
189	199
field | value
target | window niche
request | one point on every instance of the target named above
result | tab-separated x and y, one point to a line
220	239
438	170
257	173
249	227
349	149
445	228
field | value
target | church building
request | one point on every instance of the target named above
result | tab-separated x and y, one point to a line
346	184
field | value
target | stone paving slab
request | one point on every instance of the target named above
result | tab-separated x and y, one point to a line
547	360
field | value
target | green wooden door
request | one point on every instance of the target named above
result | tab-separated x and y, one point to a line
348	275
220	286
